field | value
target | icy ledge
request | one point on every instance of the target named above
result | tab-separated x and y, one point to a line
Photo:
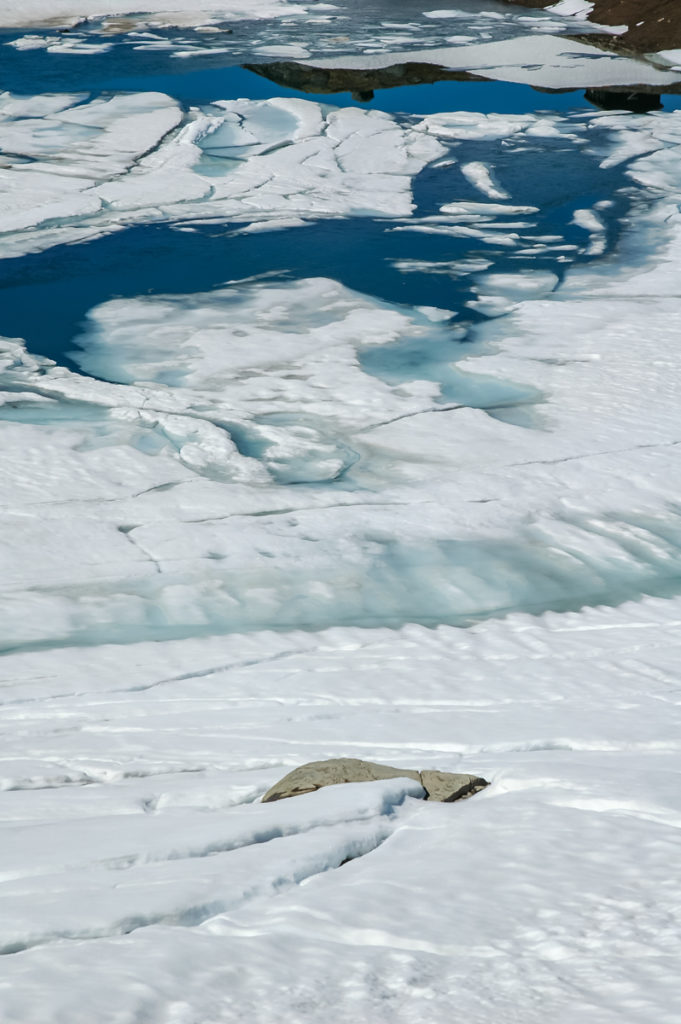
544	61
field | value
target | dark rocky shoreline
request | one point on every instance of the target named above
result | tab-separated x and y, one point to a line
652	24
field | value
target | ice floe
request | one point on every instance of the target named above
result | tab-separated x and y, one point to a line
103	138
245	160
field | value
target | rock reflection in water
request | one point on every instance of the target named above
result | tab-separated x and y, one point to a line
362	83
637	102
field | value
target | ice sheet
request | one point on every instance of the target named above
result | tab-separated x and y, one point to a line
257	389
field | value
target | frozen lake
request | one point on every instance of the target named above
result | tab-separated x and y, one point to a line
339	408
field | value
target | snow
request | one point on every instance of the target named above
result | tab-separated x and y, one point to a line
672	57
573	8
264	537
556	878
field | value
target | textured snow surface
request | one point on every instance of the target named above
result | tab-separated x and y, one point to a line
247	533
573	8
136	865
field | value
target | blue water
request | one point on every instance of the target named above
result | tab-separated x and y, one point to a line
208	75
501	97
552	174
155	259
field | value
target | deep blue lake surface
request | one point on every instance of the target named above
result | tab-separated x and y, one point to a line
553	175
363	253
359	252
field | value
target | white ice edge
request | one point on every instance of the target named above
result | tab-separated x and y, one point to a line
546	61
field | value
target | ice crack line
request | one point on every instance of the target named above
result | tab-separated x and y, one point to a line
197	913
595	455
127	532
450	407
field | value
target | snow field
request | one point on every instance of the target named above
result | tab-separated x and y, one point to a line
199	551
553	891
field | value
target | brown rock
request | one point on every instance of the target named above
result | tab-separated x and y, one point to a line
651	24
361	82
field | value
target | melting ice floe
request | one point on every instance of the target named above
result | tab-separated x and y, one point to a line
257	164
280	158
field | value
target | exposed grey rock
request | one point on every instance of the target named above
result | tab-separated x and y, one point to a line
441	786
316	774
448	786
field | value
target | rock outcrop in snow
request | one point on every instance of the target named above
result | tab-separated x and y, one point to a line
444	787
